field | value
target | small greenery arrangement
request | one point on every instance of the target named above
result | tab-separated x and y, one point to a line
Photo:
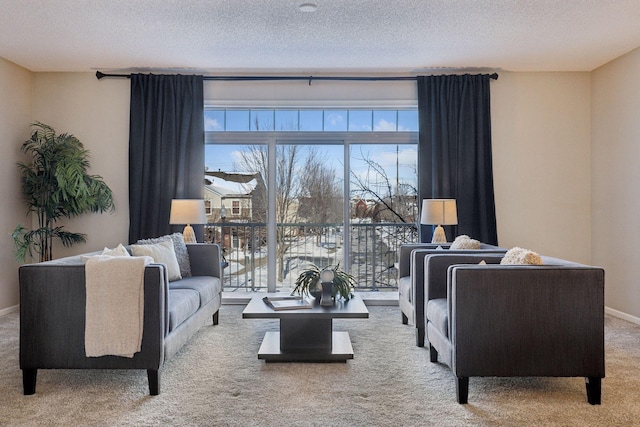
56	185
309	282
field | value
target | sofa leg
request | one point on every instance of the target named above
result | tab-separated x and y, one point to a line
154	381
462	389
29	381
594	390
420	333
433	354
216	316
405	319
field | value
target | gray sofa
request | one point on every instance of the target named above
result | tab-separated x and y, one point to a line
411	279
52	315
515	320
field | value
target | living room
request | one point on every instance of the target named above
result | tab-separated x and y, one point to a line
564	142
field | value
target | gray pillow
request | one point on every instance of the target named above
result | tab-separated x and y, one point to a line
179	246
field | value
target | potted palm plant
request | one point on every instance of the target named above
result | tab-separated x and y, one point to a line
308	283
56	185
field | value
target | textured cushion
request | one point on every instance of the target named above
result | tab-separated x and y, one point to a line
182	304
180	248
119	250
206	286
521	256
437	313
465	242
162	253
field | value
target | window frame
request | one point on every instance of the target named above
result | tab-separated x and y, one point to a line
272	138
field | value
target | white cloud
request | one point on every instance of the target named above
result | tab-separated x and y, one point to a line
335	119
212	124
384	125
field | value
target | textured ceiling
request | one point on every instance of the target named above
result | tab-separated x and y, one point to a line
359	36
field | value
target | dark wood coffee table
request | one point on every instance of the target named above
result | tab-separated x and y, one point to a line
306	335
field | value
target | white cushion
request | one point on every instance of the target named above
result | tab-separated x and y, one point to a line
465	242
182	254
162	253
519	256
119	250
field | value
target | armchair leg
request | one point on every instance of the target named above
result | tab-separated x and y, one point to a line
433	354
462	389
154	381
216	317
594	390
420	333
29	381
405	319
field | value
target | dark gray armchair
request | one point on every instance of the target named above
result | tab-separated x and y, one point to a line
515	320
411	279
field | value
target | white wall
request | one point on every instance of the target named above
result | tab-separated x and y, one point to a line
542	161
616	179
97	113
15	116
541	137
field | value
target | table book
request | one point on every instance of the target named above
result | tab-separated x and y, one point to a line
288	302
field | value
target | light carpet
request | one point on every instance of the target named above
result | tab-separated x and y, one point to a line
217	380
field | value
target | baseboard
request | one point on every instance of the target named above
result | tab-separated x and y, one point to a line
9	310
621	315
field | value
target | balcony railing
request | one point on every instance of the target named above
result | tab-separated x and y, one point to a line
372	252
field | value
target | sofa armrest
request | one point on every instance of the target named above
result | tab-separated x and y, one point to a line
437	265
52	319
404	255
526	320
205	259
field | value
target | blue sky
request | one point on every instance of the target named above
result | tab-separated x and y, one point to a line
396	160
328	120
223	157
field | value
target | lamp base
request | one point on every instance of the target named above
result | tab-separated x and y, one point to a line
189	234
439	236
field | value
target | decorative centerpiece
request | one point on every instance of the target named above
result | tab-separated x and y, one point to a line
326	284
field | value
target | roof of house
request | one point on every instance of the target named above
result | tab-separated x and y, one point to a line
231	184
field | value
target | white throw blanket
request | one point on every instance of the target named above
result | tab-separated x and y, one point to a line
115	305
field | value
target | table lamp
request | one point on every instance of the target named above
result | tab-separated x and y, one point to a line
439	212
188	211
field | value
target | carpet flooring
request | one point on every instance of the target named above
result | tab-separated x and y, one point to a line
217	380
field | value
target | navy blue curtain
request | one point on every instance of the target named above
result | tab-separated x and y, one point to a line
166	150
454	152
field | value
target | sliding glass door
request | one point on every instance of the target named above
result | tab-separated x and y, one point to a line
286	189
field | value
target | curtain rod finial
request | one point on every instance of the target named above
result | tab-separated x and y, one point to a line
99	75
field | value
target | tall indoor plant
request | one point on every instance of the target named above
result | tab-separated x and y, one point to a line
56	185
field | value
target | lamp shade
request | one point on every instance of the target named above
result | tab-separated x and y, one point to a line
187	211
439	212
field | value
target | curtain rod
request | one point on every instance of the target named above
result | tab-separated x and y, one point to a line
100	75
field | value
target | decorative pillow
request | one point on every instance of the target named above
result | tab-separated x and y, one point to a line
465	242
162	253
119	250
180	248
520	256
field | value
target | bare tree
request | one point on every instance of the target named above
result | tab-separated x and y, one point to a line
321	197
394	206
288	160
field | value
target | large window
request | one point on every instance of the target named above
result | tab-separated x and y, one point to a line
322	186
310	120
